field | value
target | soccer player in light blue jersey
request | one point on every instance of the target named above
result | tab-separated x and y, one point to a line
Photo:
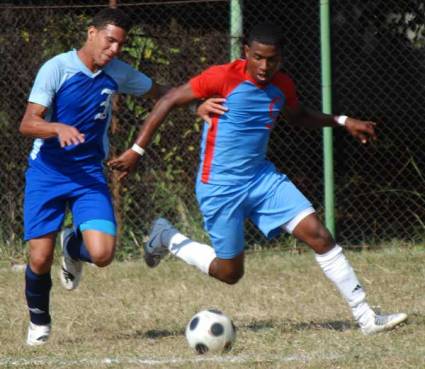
236	181
68	114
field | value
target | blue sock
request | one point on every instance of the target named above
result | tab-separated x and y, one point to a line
76	248
37	292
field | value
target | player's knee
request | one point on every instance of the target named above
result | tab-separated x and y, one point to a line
322	241
102	259
232	276
229	271
41	263
101	251
311	231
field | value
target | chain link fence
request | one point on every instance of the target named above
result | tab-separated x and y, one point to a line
378	74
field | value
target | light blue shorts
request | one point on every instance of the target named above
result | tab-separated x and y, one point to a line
270	201
49	193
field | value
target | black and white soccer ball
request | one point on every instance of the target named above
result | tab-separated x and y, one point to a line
210	331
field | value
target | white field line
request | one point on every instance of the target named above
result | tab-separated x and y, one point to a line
81	362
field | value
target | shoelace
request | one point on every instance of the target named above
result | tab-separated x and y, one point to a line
43	338
68	276
381	319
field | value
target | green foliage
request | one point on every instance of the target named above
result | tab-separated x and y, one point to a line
414	196
67	33
408	21
142	47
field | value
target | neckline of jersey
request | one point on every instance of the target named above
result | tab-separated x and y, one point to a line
84	67
251	79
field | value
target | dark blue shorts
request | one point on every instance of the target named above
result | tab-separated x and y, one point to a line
48	193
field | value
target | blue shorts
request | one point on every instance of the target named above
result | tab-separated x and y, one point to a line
49	192
270	200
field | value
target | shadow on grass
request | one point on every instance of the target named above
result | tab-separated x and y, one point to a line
158	333
151	334
286	326
292	326
255	326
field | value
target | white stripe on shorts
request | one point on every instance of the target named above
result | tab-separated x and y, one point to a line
290	226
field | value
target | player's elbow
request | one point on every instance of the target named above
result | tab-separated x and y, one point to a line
24	129
172	97
167	102
178	96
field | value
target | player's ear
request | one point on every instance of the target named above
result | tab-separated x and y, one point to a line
91	32
246	49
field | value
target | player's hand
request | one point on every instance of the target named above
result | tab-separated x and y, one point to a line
364	131
125	163
68	135
211	106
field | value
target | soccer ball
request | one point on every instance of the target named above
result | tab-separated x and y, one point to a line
210	331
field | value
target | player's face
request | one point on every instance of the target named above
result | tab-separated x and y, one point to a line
106	43
263	61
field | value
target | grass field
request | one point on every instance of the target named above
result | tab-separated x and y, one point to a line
287	313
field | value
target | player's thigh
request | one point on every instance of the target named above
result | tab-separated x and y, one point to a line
224	219
277	201
92	203
93	215
44	205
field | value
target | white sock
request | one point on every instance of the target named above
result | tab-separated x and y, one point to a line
193	253
337	268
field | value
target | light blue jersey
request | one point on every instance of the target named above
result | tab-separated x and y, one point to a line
76	96
234	145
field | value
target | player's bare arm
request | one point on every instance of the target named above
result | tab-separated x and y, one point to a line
33	124
211	106
364	131
127	161
157	91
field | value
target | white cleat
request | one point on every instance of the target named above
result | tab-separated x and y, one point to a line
154	249
380	323
38	334
70	273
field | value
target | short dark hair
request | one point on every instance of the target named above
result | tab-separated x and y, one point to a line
266	33
112	16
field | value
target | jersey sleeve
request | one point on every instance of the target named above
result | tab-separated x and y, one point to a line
292	96
287	86
46	83
130	80
209	83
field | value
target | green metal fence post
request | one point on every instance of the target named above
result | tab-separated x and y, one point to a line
236	27
327	108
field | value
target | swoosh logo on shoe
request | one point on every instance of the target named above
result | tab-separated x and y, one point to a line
67	275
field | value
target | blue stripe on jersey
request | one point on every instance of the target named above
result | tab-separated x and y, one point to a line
101	225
